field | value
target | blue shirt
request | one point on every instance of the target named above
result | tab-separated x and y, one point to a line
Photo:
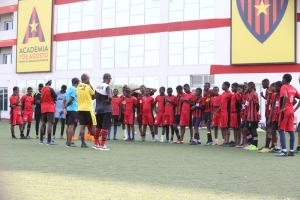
71	92
59	105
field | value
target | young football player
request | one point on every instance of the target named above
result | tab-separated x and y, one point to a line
148	105
168	118
59	114
37	110
15	113
235	111
208	94
27	110
215	105
115	102
179	91
160	99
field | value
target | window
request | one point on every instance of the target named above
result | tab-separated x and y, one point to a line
134	82
7	59
75	54
8	26
174	81
180	10
200	80
118	13
191	47
3	99
130	51
75	17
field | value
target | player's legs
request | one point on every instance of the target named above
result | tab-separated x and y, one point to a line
123	127
175	126
54	127
167	129
115	123
12	130
98	130
298	146
106	124
62	129
182	132
216	134
132	132
207	119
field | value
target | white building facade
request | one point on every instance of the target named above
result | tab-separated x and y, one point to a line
151	42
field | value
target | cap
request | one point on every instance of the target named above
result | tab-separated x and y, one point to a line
107	76
47	79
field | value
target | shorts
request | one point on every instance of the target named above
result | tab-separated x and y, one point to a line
252	125
27	117
168	120
15	119
207	117
104	120
140	119
48	117
243	125
177	119
225	120
196	122
185	119
235	120
59	115
286	122
159	119
71	118
87	118
147	119
114	118
128	119
216	120
274	125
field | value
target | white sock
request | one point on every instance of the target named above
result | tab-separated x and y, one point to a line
162	137
156	137
125	134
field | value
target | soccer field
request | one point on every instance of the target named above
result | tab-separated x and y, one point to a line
134	170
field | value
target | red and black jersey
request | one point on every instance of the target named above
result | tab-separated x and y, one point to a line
207	96
179	104
197	112
234	105
275	115
225	102
267	111
252	101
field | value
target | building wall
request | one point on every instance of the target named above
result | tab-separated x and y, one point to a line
154	59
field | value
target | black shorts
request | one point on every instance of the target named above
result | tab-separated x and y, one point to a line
114	118
71	118
177	119
274	125
103	120
243	125
86	118
48	117
207	117
252	125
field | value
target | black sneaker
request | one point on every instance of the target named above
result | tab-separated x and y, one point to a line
107	138
224	145
261	148
291	153
22	137
231	145
193	142
14	138
84	146
282	154
115	139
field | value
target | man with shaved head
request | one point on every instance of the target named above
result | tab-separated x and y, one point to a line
86	114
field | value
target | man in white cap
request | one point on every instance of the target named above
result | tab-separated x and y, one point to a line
48	109
104	111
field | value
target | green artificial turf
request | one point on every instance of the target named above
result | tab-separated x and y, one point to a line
134	170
